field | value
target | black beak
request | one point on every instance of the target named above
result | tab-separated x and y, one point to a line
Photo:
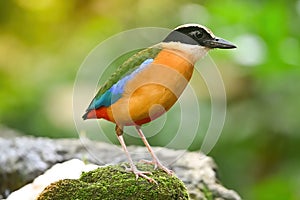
218	43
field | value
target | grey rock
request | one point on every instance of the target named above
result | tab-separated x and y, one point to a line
24	158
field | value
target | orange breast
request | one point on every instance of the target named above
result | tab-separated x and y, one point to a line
153	91
175	60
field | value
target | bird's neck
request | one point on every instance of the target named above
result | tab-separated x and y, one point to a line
190	52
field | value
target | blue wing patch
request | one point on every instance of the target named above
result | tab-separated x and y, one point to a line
114	93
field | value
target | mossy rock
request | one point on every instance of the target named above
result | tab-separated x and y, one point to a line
114	182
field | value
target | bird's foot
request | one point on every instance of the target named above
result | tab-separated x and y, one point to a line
157	164
139	173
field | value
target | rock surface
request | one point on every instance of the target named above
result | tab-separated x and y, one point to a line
24	158
71	169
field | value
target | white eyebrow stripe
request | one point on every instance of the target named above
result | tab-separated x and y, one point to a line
196	25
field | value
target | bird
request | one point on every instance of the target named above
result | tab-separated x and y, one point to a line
149	83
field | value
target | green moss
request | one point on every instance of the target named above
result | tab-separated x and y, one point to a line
207	193
113	182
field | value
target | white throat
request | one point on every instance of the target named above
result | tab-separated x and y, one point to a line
193	52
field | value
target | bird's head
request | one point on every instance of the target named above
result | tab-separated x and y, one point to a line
195	34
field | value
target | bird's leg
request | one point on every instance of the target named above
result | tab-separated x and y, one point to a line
133	168
155	160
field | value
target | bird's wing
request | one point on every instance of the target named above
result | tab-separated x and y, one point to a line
112	89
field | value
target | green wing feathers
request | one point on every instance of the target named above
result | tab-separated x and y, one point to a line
128	66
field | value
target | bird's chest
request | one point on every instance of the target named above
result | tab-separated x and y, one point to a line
153	90
170	71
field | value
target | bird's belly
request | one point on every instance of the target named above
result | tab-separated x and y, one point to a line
145	104
152	92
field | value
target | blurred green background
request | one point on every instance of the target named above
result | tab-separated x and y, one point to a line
43	43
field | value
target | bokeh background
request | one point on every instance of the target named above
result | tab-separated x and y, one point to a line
43	43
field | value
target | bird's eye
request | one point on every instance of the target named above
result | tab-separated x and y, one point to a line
197	34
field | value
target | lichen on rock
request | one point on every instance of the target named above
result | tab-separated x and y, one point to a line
114	182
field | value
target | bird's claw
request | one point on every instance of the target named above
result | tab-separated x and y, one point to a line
157	164
128	169
152	162
139	173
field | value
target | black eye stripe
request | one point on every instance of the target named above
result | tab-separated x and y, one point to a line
189	35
